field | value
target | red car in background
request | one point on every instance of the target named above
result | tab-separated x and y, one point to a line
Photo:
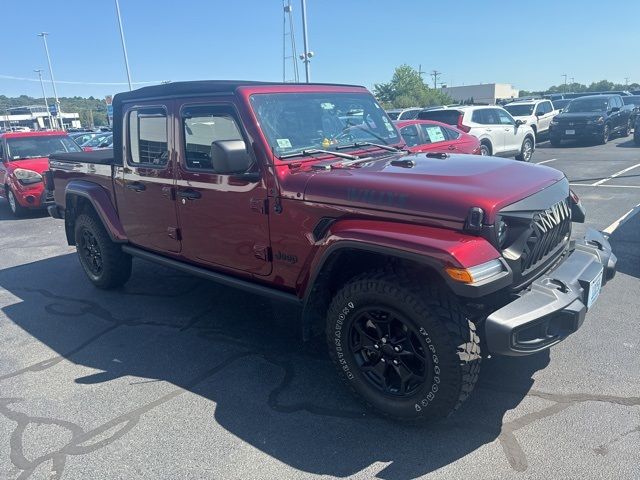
24	157
430	136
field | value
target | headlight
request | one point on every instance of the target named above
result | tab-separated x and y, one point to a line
554	122
597	121
476	274
27	177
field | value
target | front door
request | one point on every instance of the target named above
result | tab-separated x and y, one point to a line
224	219
512	134
147	208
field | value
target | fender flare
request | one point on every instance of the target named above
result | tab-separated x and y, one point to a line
101	201
432	247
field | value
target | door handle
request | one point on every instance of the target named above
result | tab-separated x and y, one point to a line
507	129
487	129
452	147
136	186
189	194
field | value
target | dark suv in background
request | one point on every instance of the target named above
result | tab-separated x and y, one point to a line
595	117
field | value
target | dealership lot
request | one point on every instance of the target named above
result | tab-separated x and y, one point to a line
175	377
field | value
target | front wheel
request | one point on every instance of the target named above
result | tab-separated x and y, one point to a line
526	151
16	209
627	130
485	149
604	138
104	262
408	352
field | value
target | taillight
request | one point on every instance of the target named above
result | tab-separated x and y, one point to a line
462	127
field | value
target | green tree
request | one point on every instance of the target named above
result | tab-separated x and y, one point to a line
407	89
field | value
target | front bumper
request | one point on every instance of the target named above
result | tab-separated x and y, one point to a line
555	304
581	132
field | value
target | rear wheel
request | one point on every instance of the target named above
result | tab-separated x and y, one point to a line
102	260
604	137
408	352
627	130
485	149
526	151
16	209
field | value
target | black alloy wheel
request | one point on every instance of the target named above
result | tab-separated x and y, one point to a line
389	352
90	250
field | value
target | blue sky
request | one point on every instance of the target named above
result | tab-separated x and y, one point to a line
355	41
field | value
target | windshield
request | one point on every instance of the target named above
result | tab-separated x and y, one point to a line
293	122
39	147
97	140
587	105
519	110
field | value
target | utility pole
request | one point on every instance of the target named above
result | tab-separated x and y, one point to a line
435	74
420	71
565	82
572	80
626	81
124	46
53	82
288	18
44	95
306	56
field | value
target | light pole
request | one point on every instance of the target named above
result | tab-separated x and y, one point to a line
44	95
124	47
53	82
306	56
565	82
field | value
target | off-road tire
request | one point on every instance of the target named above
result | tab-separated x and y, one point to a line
523	155
445	335
115	265
15	208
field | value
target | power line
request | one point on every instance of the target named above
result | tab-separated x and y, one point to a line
11	77
435	74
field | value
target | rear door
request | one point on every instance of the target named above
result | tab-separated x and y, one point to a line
224	219
544	113
147	209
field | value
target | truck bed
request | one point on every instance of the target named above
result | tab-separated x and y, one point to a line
102	157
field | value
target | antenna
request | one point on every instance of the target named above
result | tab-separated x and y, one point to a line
288	31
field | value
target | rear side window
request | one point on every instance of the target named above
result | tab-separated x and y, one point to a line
485	116
434	133
148	136
452	134
202	126
448	116
410	135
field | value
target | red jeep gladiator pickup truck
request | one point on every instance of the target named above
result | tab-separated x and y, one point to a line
409	263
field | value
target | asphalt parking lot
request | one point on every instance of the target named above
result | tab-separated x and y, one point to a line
175	377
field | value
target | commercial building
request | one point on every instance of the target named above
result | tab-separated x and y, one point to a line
35	117
485	93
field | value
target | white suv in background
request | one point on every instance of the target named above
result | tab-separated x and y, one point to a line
536	113
499	133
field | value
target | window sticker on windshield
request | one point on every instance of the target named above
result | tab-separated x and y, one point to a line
435	134
387	124
283	142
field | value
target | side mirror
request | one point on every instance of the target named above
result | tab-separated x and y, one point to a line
615	109
520	122
230	156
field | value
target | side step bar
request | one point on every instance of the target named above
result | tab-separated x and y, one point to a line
213	276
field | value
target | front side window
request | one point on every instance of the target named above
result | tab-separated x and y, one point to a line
504	118
148	136
203	125
21	148
293	122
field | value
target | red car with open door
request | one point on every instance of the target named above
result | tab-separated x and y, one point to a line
430	136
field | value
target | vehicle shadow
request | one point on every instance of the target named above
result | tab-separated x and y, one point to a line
245	354
625	242
628	144
5	213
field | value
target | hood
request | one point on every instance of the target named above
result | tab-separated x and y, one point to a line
567	117
442	188
38	165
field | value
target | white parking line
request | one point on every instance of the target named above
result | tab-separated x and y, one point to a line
605	186
612	228
617	174
546	161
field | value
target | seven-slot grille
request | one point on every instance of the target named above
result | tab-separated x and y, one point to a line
549	228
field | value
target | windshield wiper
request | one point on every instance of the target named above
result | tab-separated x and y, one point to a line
367	144
313	151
